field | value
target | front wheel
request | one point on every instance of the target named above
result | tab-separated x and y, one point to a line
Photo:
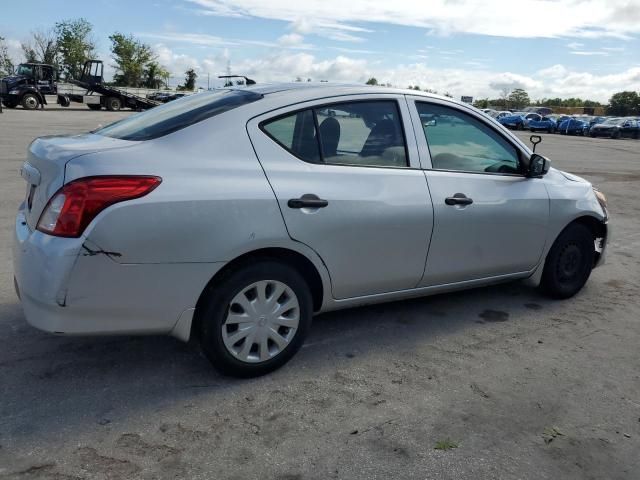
255	318
30	101
569	262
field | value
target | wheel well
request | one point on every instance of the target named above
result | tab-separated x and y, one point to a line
294	259
598	230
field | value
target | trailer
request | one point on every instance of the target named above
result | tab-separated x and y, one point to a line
97	95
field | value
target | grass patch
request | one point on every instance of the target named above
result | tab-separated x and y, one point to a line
446	445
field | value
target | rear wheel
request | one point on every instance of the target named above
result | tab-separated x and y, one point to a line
94	106
615	134
255	319
114	104
569	262
30	101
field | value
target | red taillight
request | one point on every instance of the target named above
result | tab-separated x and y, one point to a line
73	207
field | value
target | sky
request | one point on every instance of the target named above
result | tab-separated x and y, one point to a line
567	48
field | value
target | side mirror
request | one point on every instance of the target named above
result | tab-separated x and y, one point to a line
538	166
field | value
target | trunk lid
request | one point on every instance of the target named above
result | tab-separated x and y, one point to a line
44	170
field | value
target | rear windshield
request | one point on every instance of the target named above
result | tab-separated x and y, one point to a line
177	114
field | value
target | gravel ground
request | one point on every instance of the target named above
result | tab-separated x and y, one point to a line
525	387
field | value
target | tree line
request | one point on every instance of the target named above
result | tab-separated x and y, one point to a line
621	104
70	43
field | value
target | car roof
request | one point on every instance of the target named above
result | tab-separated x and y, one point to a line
321	89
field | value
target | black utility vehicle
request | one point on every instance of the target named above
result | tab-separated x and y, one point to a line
29	85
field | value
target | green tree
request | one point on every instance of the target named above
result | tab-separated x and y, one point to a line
42	48
481	103
29	53
518	98
131	57
74	45
155	75
372	81
189	80
6	63
624	103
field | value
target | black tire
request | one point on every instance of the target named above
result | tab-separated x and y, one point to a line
592	135
113	104
615	134
569	262
94	106
30	101
215	304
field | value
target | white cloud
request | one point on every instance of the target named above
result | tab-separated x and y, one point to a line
294	41
589	53
570	18
575	45
280	64
206	40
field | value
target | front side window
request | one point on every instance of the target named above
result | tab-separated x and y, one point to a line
366	133
460	142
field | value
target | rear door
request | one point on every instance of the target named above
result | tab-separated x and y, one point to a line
348	181
490	220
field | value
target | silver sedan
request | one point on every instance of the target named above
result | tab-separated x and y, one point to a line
234	216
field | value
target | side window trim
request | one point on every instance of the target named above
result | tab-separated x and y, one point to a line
318	106
423	146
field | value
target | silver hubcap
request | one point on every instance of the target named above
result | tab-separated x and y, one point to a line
261	321
31	102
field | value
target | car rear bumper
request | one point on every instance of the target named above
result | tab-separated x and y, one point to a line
69	286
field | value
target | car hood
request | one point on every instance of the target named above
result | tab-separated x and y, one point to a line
569	176
15	79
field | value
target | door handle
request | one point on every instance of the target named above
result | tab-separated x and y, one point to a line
308	200
458	199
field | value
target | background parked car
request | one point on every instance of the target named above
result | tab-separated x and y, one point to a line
519	120
547	124
165	97
592	121
616	128
503	113
572	126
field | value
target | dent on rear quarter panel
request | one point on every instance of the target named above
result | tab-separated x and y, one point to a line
214	199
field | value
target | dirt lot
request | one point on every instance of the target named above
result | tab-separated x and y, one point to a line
524	386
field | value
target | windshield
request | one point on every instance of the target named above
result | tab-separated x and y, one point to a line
25	70
612	121
177	114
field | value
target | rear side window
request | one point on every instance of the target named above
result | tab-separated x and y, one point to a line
177	114
365	133
296	133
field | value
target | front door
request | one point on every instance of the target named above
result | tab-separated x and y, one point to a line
347	178
489	219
